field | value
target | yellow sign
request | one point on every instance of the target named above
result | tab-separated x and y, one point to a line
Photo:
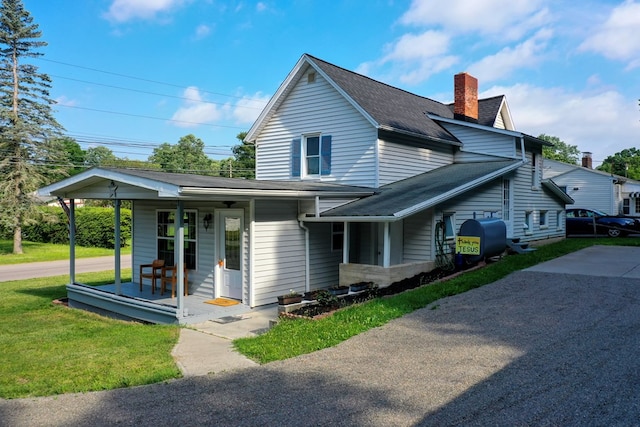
468	245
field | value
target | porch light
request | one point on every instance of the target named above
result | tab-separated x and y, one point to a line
112	189
206	221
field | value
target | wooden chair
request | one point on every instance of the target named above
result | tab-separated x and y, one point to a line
170	275
151	271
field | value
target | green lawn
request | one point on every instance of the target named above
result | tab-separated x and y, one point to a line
49	349
34	252
293	337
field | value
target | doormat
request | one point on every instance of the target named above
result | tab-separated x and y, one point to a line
227	319
223	302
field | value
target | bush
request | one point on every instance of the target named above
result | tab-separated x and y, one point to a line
94	227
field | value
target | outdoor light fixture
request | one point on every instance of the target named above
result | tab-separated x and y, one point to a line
112	189
206	221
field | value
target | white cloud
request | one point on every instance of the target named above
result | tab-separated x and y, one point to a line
617	38
202	31
63	100
602	122
412	47
195	110
528	54
126	10
504	17
247	109
261	6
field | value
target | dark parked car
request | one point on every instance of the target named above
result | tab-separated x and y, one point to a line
592	221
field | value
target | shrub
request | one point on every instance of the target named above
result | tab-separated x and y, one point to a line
94	227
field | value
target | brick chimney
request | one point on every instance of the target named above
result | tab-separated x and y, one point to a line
586	160
465	104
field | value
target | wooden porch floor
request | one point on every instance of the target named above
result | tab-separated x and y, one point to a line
198	310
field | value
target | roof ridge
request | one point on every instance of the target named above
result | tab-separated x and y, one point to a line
372	79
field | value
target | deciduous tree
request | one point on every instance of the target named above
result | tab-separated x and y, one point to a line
561	151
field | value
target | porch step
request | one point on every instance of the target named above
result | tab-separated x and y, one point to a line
519	248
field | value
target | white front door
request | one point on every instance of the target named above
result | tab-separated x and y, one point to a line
230	226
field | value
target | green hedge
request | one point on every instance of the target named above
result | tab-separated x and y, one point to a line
94	227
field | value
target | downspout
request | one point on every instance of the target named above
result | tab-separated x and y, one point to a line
524	154
306	255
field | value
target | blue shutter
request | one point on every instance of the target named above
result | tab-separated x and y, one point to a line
325	155
295	157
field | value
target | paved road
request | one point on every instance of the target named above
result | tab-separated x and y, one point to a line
59	268
556	344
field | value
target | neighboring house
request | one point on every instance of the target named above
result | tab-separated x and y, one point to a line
594	189
355	180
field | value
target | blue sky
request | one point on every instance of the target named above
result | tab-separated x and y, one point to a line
132	74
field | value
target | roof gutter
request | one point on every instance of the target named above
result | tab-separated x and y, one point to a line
419	135
190	191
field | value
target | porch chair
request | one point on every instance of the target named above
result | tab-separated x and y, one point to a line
151	271
170	275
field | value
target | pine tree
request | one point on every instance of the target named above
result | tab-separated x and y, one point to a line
29	144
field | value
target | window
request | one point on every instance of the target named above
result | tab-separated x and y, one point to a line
536	167
544	219
625	206
449	229
166	237
528	222
311	156
506	199
337	236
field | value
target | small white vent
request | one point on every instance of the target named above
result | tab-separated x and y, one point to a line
311	77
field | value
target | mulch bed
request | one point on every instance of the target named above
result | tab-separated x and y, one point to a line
316	311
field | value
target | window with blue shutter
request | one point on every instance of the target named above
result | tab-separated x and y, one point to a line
311	156
326	155
295	157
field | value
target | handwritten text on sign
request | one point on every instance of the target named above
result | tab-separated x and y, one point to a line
468	245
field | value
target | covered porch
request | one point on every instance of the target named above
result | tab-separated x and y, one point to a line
145	306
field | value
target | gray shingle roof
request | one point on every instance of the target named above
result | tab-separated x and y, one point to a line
399	196
203	181
390	106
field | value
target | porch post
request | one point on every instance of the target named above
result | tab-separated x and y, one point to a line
387	245
345	243
72	241
117	247
178	256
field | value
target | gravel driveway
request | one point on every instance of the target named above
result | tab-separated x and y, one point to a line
536	348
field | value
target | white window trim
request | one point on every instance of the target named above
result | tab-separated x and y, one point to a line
528	223
452	215
544	214
195	241
304	171
559	220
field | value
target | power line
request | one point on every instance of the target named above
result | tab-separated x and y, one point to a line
143	79
157	94
148	117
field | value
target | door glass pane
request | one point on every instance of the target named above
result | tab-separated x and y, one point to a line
232	242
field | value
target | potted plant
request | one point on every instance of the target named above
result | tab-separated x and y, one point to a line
291	297
339	290
361	286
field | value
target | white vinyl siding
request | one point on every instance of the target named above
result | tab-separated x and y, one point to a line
418	237
324	270
318	107
589	189
483	142
279	251
398	161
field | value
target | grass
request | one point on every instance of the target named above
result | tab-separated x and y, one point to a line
293	337
34	252
49	349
